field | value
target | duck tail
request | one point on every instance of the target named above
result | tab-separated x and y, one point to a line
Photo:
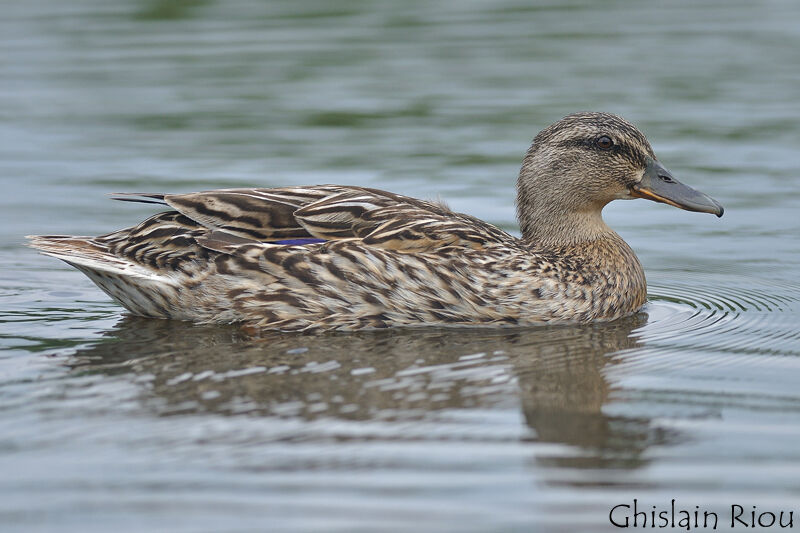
141	290
82	253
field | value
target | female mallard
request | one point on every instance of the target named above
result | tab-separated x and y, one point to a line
338	257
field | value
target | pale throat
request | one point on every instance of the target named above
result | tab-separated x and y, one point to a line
553	228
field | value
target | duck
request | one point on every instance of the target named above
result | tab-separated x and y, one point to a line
337	257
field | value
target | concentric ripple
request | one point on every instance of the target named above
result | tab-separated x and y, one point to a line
723	314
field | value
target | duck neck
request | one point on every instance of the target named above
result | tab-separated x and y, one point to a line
590	257
553	228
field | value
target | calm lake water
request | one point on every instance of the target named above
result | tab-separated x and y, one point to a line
112	423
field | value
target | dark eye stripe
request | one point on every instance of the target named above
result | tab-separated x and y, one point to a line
634	155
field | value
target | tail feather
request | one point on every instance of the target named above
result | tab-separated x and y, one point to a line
139	197
87	253
138	288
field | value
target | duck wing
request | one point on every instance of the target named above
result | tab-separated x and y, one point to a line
395	222
327	212
259	215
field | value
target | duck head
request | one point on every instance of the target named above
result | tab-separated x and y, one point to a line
579	164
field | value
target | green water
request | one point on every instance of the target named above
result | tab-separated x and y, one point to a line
114	423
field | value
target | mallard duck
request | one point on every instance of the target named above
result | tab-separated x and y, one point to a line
343	257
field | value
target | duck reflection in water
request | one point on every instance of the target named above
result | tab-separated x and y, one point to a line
557	375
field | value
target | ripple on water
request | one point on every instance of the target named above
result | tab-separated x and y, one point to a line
712	318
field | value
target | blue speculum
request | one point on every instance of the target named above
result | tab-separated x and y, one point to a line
299	242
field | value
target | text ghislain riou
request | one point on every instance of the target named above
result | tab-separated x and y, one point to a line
634	515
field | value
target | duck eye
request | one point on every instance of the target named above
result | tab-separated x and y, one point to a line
604	142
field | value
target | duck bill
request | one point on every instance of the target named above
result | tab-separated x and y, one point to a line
658	185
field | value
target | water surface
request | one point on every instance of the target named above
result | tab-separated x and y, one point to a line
112	422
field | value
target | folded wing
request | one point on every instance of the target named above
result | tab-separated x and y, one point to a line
329	212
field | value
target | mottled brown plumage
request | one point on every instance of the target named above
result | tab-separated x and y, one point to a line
390	260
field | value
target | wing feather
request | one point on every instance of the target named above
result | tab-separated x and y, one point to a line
256	214
222	220
394	222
